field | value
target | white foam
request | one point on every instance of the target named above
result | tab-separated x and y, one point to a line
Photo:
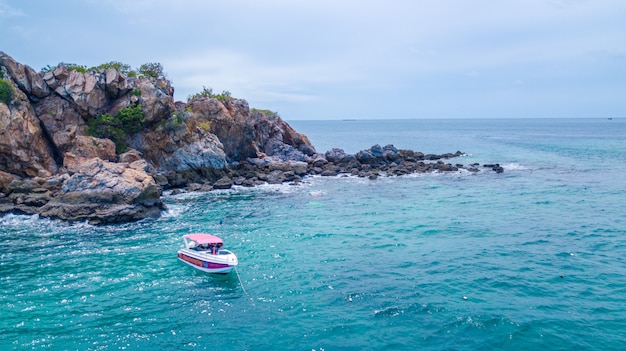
184	195
460	173
317	193
20	222
514	167
174	210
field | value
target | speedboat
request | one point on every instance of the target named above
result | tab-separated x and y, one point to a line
204	252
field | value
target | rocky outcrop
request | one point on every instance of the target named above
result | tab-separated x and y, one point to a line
182	149
93	190
371	163
103	192
384	160
25	150
495	167
45	123
50	166
248	134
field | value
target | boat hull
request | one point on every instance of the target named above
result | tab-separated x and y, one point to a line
217	264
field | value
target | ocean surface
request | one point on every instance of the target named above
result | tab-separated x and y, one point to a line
530	259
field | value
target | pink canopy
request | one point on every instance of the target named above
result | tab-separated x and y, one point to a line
204	239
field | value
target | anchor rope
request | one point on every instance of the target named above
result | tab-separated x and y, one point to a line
241	283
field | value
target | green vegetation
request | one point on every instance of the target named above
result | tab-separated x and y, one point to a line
154	70
223	96
131	119
175	121
208	92
205	125
69	66
6	92
76	67
266	112
119	66
107	126
128	121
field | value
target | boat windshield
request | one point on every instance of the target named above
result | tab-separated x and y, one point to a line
212	248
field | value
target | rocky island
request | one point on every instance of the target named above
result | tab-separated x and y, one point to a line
101	145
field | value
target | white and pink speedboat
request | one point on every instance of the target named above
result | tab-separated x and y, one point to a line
204	252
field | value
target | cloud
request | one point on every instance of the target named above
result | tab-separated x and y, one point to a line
253	78
6	11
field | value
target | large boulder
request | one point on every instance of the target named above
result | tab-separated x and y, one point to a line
336	155
89	147
157	100
103	192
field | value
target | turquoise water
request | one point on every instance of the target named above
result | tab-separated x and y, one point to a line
531	259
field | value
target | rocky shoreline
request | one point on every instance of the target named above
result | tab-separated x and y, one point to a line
52	165
372	163
95	194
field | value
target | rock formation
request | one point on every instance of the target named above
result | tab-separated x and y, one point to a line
104	192
51	166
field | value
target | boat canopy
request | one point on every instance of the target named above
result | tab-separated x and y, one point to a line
204	239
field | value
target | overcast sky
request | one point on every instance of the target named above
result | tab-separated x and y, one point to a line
344	59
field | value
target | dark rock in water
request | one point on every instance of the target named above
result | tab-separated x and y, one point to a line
376	151
193	187
495	167
388	160
176	192
431	157
276	177
330	171
446	167
410	155
367	157
390	153
336	156
223	183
